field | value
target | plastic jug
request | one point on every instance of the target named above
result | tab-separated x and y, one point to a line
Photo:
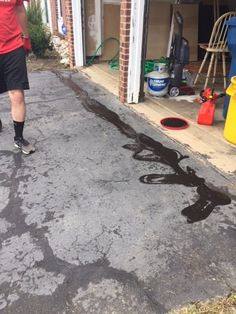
230	123
231	40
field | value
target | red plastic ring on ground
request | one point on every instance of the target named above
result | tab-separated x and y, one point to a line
174	123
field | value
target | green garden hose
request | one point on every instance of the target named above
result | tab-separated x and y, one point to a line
114	61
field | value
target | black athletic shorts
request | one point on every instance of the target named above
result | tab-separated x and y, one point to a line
13	71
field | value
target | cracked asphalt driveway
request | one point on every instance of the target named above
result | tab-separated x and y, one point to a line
80	233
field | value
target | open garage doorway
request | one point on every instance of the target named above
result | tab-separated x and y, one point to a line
102	42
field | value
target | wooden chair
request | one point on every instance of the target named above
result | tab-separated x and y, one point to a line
217	47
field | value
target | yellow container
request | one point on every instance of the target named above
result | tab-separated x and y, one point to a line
230	123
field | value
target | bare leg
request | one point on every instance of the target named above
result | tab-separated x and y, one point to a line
18	111
18	108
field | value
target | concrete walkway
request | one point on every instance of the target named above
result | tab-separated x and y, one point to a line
92	223
204	140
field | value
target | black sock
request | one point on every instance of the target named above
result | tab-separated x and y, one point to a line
18	127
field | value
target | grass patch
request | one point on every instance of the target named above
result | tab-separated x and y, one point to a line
216	306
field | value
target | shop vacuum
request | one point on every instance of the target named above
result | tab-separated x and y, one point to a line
180	79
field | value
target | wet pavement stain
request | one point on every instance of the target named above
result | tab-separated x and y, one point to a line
147	149
76	276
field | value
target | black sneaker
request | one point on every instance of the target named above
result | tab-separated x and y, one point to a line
24	146
0	125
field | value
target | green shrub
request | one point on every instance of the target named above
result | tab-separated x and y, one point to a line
34	13
40	38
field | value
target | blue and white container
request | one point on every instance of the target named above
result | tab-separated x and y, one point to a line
158	81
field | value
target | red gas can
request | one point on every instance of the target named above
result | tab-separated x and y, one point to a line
206	113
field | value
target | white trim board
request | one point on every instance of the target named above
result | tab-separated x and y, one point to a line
135	50
50	15
59	17
98	14
77	10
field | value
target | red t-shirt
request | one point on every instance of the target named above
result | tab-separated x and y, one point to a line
10	30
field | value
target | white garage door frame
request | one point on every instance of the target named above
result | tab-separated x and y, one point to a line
78	29
135	50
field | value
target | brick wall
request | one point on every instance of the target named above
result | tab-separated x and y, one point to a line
125	18
70	32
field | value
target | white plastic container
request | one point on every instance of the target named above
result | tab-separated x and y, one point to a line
158	81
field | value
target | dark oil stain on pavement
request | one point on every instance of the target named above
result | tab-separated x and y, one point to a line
147	149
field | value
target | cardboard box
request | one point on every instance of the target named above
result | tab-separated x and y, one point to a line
190	26
158	29
111	28
92	26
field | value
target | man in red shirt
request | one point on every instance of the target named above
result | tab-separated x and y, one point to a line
14	46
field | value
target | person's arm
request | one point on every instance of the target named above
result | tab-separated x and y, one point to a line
23	21
22	18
